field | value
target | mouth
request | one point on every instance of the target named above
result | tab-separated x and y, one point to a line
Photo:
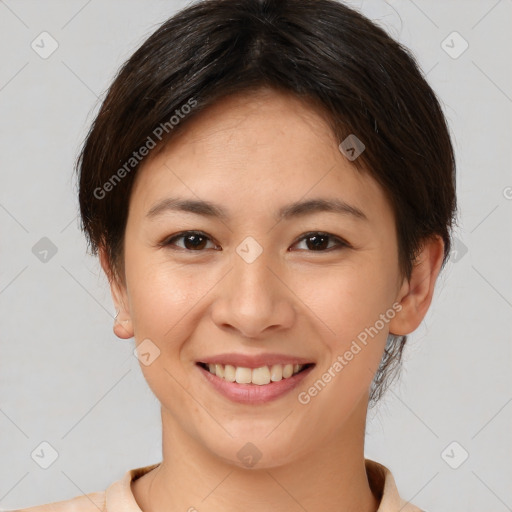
260	376
253	379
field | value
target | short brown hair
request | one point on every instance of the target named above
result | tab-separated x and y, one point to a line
365	82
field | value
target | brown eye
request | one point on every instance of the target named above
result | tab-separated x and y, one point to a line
197	241
192	240
318	241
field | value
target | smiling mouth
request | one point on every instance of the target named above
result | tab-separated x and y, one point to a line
260	376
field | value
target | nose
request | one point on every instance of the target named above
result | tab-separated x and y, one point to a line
253	299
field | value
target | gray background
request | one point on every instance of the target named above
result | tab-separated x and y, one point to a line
67	380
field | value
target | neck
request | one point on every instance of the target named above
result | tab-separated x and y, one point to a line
332	478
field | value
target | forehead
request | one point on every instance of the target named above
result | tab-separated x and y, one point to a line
253	150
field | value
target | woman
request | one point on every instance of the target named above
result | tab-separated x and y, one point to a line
270	188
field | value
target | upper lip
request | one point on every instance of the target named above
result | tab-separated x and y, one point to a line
257	361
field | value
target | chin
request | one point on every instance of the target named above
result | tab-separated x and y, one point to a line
252	453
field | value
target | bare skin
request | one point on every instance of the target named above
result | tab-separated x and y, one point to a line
252	155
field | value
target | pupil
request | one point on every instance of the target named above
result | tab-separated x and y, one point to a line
190	238
320	245
315	242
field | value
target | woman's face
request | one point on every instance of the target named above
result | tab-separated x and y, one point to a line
266	284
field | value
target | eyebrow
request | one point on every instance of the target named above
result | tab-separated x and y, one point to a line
296	209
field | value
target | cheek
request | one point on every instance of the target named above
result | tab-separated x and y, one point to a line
350	303
355	303
162	294
347	300
163	302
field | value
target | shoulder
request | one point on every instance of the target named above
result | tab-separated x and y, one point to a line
384	487
118	497
92	502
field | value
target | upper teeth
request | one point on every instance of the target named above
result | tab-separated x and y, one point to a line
260	376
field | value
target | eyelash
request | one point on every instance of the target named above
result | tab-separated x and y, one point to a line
340	242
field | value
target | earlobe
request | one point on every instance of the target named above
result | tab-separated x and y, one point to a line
123	327
415	294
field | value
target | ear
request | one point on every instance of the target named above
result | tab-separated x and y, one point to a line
415	294
123	327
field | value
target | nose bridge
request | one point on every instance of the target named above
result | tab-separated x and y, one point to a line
253	299
251	279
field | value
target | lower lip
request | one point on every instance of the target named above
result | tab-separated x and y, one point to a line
253	393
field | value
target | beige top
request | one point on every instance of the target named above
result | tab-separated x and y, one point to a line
119	497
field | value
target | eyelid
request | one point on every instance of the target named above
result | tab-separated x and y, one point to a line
166	242
339	241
